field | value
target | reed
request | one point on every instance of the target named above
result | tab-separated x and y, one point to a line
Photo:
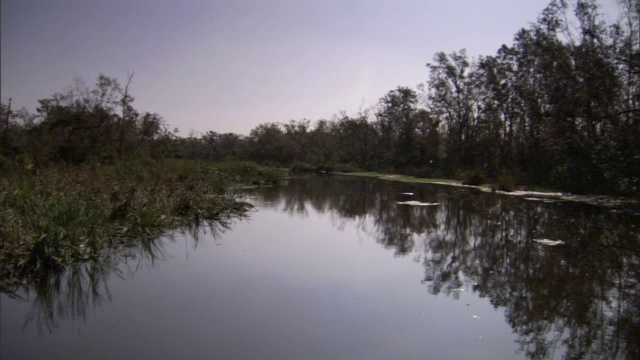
58	215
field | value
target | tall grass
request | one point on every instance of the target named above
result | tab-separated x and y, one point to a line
55	216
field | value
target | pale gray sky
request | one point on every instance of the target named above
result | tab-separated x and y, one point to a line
229	65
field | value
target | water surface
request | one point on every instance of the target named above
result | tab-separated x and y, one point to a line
348	268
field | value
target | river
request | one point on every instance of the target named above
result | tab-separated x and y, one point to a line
335	267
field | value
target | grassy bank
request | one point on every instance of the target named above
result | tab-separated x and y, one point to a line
402	178
501	184
58	215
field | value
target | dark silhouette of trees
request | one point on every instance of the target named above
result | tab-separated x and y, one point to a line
559	107
556	108
84	124
396	122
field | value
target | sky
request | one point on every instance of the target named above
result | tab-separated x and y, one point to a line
230	65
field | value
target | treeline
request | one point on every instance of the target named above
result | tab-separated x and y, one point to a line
559	108
83	124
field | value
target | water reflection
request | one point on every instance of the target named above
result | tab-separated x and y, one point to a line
70	295
581	298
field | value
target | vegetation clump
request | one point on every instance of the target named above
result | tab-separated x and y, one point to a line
505	183
474	178
54	216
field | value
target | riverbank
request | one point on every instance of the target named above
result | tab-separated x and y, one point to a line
529	194
58	215
401	178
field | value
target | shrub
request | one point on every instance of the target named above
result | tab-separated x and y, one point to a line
474	178
303	168
420	172
506	183
346	168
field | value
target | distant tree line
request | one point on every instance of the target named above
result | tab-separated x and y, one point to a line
83	124
559	107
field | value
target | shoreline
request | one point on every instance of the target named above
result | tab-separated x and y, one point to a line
531	195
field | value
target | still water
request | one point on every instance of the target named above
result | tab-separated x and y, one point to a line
347	268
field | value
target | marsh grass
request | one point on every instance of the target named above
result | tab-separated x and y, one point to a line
401	178
60	215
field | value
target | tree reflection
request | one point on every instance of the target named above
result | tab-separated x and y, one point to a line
582	297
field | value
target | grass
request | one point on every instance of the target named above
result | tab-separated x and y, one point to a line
60	215
402	178
504	183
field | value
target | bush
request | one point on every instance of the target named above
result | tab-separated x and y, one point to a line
346	168
474	178
420	172
303	168
5	165
506	183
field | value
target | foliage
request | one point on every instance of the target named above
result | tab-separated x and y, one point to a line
474	178
559	107
61	214
84	124
506	182
303	168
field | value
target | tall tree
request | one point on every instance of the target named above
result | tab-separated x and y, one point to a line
454	98
396	122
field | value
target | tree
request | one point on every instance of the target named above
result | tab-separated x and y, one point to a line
427	142
396	123
268	143
322	148
453	97
356	139
84	123
296	134
5	116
